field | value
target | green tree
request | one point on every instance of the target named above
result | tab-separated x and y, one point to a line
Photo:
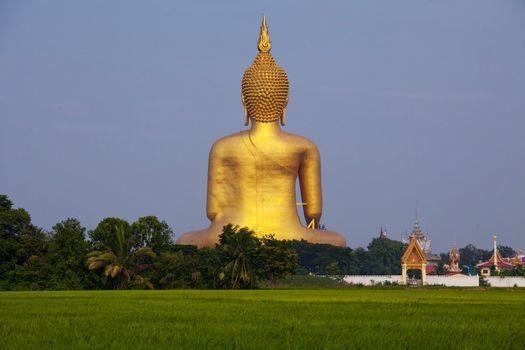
470	255
105	234
517	271
324	258
359	255
33	243
23	247
238	246
13	222
176	267
176	270
384	257
275	260
67	255
505	251
210	264
149	231
19	239
120	260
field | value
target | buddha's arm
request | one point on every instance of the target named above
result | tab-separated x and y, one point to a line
310	183
213	196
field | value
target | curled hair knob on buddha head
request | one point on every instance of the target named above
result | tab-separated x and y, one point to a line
264	84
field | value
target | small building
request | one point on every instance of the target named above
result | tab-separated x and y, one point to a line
426	245
496	262
414	257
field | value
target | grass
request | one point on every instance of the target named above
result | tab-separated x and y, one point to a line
307	281
414	318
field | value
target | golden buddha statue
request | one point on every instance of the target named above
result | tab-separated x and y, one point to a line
252	174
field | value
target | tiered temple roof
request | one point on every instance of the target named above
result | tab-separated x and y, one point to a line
414	255
432	260
501	263
498	261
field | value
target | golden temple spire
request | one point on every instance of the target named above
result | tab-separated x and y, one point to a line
264	44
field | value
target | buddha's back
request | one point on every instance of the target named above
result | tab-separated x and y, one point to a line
252	178
252	175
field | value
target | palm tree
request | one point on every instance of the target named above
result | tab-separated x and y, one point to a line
118	259
238	246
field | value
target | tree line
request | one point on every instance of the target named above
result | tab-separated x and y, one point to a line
142	255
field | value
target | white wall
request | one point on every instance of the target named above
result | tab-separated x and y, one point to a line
450	281
506	281
372	279
454	280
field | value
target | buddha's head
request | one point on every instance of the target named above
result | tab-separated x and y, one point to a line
264	85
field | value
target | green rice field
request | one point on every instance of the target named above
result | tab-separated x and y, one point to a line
349	318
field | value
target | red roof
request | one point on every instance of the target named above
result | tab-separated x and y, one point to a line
503	263
431	269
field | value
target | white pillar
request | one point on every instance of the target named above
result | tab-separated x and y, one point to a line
424	274
403	274
495	253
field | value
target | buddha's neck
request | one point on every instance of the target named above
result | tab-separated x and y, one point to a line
261	129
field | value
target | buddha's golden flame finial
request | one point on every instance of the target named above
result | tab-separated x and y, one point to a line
264	44
264	85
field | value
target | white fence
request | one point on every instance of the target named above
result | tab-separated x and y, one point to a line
506	281
454	280
372	280
449	281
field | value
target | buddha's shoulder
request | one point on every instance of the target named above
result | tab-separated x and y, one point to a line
299	140
228	141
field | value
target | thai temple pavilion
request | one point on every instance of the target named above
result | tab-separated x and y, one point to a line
432	260
453	267
414	258
498	263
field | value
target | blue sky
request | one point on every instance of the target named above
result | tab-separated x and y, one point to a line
109	108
